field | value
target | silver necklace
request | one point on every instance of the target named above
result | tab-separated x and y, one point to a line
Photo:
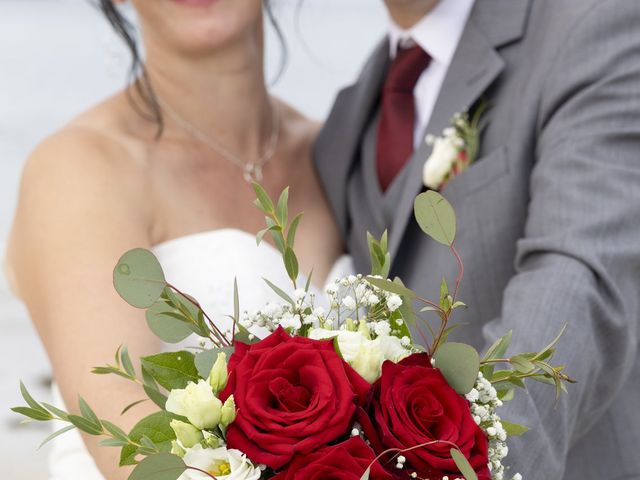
251	170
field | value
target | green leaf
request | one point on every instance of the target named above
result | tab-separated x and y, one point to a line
112	442
85	425
243	335
162	322
55	434
280	293
406	310
282	210
291	263
157	428
460	364
33	414
30	400
393	287
172	370
127	364
263	201
522	365
293	228
204	360
87	412
114	430
131	405
138	278
513	429
162	466
463	464
56	411
497	350
436	217
236	302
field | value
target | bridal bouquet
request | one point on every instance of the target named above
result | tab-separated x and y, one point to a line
337	388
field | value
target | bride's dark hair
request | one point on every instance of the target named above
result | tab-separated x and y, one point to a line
150	107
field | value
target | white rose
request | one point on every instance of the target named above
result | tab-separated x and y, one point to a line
221	463
196	402
439	164
364	355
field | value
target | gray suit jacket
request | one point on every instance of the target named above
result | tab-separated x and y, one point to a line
548	216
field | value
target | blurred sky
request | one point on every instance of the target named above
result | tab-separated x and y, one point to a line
58	57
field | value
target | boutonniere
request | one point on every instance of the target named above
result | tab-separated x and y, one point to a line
455	150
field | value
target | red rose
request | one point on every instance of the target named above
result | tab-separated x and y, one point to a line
293	395
345	461
413	404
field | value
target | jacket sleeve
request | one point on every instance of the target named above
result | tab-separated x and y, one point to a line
579	259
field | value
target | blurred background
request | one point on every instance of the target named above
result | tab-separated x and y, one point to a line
58	57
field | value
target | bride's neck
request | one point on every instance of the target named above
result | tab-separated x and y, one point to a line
222	94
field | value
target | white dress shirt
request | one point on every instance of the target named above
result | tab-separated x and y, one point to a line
438	34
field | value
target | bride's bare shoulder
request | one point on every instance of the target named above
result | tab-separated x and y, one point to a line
98	146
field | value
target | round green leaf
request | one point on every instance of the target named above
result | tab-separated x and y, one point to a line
138	278
436	217
163	466
460	364
162	322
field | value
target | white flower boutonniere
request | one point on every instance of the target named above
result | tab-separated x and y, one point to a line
454	151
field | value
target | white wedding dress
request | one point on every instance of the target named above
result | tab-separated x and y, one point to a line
203	265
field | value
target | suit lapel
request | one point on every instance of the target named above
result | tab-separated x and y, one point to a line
475	66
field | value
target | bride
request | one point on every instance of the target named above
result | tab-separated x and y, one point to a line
165	164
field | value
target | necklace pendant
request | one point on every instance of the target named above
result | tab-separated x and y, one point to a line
252	173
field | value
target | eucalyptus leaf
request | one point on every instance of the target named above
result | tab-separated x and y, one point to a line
172	370
162	466
282	210
204	360
31	401
463	464
157	428
85	425
522	365
513	429
131	405
114	430
293	228
55	434
281	293
112	442
263	201
291	263
436	217
138	278
460	364
392	287
87	412
32	413
162	322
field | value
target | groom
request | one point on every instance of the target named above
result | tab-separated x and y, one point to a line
548	214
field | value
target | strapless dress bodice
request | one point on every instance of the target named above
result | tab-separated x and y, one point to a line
203	265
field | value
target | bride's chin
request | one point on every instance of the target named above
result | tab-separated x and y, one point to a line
196	3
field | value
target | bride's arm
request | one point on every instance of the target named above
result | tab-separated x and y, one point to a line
82	204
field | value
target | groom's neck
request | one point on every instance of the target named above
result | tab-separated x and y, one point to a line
406	13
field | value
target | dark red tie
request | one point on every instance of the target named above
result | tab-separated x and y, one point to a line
397	117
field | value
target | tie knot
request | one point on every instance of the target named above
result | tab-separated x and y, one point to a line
406	69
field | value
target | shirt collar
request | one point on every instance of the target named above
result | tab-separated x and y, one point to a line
438	33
